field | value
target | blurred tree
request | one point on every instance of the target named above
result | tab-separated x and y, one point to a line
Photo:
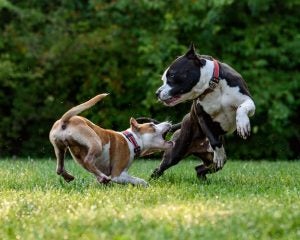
55	54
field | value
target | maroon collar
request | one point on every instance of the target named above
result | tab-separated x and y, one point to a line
130	137
213	82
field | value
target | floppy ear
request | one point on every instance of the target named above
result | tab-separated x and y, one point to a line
134	125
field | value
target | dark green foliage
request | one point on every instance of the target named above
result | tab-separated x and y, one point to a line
55	54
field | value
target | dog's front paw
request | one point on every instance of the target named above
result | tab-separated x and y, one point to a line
219	158
243	126
142	182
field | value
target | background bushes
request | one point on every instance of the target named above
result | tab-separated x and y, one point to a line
55	54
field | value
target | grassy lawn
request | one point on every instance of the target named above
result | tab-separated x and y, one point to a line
246	200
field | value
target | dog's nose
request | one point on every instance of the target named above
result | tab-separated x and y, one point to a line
157	93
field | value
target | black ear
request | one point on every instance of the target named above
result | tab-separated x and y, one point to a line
200	61
191	53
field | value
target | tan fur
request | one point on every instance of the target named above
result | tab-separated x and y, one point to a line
146	128
105	153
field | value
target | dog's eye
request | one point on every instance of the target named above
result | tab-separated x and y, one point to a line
171	79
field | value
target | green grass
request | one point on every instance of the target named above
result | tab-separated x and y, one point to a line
246	200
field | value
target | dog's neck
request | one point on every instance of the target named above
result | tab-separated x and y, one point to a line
135	142
207	72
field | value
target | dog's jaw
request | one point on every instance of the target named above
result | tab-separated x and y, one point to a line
167	143
157	140
172	101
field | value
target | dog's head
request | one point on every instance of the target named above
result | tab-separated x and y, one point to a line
181	78
152	135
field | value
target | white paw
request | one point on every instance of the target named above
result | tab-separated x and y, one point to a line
219	157
142	182
243	126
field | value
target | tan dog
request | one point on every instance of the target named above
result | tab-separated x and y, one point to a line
105	153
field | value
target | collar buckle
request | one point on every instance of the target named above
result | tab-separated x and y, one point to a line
137	150
213	83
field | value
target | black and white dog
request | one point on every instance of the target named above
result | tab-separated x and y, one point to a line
221	104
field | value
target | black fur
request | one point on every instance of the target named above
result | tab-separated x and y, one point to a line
212	129
233	78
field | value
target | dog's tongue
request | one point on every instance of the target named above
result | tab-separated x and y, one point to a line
164	135
172	99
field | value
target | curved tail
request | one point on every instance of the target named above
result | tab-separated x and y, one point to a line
78	109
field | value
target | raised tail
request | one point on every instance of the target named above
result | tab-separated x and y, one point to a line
78	109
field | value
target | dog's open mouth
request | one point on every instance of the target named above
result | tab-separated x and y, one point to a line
164	136
171	100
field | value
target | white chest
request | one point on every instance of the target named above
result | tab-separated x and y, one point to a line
221	105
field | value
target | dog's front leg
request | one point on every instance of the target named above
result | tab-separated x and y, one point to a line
182	139
125	178
243	112
89	163
215	141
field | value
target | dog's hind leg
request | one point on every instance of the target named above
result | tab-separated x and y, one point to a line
201	148
207	156
207	166
89	152
60	152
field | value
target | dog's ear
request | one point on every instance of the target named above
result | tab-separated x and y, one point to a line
134	125
191	53
199	61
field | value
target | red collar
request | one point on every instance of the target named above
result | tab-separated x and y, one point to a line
130	137
213	82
